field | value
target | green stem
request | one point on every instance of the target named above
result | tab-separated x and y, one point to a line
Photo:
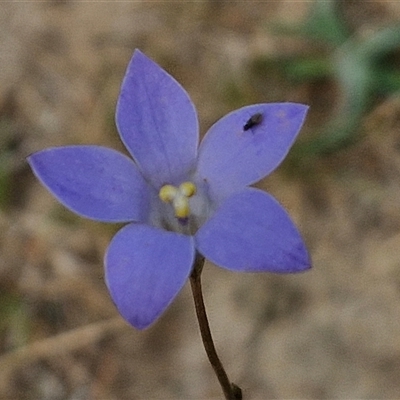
231	391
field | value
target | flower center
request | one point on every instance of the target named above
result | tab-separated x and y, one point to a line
178	197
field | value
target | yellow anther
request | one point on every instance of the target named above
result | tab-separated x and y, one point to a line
179	197
188	189
181	206
168	193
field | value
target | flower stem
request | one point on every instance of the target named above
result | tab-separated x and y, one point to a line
231	391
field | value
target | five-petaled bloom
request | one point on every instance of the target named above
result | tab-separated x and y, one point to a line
176	197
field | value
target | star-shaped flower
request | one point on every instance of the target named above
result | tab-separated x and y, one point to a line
176	197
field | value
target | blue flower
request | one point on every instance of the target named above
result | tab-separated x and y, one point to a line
176	197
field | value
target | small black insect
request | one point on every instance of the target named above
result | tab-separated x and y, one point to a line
254	120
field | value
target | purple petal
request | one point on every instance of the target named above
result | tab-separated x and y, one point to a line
252	232
145	269
235	154
157	122
94	182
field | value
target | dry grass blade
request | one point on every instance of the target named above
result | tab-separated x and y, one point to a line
56	345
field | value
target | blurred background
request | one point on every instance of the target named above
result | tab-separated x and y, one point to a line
333	332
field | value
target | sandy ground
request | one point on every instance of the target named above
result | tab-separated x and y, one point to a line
333	332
